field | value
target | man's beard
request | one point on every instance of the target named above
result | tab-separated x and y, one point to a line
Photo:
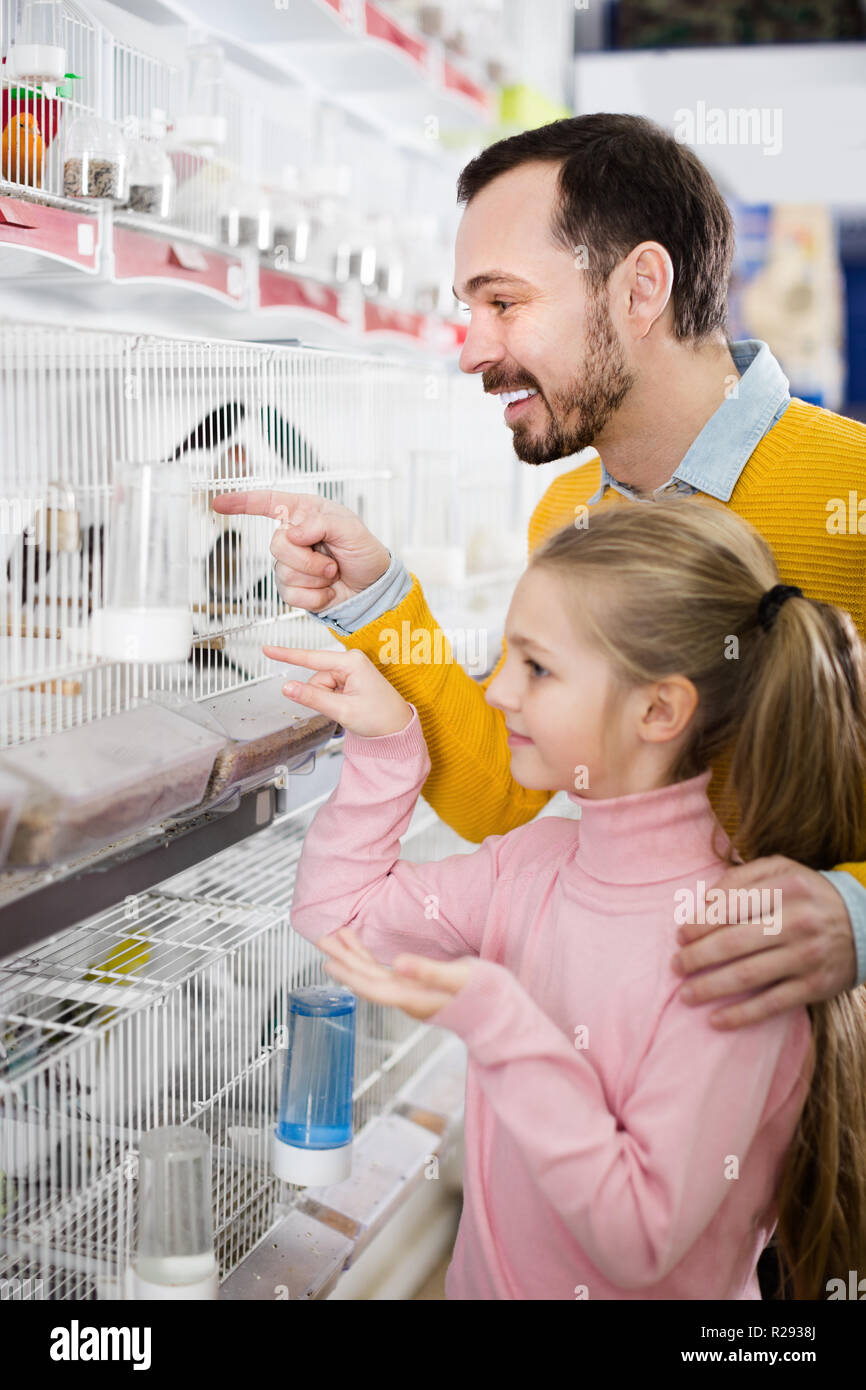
585	407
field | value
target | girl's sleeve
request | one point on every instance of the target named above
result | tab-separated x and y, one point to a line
636	1189
350	872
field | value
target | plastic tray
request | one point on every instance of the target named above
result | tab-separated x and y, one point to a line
263	730
100	781
13	794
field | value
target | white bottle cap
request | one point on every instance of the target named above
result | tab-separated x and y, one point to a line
310	1167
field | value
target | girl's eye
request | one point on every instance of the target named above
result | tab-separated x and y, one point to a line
535	667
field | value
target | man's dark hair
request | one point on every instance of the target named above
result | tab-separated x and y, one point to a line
624	180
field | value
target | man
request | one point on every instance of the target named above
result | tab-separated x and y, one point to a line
594	256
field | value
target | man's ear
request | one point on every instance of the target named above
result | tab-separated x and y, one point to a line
649	283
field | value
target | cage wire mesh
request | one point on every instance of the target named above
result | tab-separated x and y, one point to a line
35	115
170	1008
142	94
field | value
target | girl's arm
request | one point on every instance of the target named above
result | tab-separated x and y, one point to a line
350	872
471	784
636	1189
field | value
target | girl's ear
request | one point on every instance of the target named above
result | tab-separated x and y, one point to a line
669	706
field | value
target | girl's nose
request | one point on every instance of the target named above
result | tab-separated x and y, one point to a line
498	694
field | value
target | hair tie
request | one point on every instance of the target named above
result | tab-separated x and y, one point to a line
772	601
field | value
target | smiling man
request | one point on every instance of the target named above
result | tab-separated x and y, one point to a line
593	257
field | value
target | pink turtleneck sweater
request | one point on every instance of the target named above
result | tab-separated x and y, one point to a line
617	1145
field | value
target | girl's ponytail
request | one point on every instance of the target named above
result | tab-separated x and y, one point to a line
798	768
798	773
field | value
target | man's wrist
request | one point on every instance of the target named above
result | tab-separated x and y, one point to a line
853	894
378	598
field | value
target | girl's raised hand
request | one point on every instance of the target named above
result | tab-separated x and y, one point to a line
347	688
416	984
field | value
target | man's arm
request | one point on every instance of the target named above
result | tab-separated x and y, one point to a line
470	785
808	956
328	562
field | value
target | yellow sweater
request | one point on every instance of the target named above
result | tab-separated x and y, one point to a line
796	483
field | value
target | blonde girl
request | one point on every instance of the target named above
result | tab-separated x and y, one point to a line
617	1146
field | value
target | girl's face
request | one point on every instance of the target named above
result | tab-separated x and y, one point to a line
571	727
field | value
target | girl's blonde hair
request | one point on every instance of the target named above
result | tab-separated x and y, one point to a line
673	587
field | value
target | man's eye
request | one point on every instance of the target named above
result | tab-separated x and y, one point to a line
506	304
535	667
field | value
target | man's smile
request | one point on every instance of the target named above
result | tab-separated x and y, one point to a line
516	402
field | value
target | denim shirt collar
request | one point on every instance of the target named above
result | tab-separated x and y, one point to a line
717	457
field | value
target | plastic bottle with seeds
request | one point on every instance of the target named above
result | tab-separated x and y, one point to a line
95	160
246	218
151	179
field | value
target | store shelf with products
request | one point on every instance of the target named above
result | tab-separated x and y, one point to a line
354	53
208	177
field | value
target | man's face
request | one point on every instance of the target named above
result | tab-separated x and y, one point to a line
534	325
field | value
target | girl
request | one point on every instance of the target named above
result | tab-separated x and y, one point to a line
618	1146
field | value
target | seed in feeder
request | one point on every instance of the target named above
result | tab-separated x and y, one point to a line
145	197
94	178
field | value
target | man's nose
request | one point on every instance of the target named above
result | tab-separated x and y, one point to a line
481	350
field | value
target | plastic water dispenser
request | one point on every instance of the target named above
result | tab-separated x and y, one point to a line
312	1143
175	1247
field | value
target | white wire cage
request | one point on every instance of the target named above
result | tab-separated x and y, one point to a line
77	404
140	92
35	115
169	1007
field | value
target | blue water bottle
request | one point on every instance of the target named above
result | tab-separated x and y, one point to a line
312	1143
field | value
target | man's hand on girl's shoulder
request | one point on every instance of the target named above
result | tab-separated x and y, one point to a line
787	935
